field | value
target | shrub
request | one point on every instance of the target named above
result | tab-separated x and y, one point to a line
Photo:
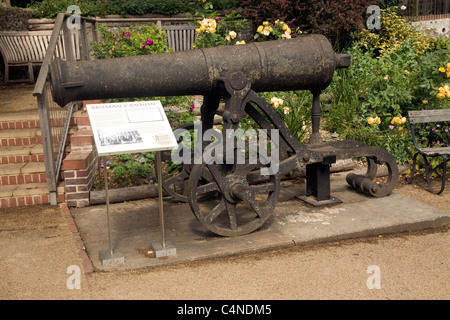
334	18
276	31
393	33
139	7
50	8
215	30
129	41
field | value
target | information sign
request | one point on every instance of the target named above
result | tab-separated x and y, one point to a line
130	127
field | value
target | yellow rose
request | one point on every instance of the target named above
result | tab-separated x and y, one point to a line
441	95
276	102
285	27
448	66
373	121
265	23
396	120
442	69
260	29
286	110
286	36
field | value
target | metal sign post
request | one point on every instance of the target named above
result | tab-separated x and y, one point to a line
109	257
165	248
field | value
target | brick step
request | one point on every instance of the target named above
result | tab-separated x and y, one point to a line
20	137
21	154
22	173
27	195
24	137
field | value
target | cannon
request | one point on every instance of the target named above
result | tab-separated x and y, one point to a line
232	199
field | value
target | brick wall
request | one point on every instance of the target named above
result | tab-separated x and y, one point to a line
80	165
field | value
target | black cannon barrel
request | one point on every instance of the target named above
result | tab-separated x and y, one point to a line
306	62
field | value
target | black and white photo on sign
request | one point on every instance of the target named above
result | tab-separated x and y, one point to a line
114	136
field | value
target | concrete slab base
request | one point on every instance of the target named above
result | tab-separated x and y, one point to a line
164	251
135	225
110	260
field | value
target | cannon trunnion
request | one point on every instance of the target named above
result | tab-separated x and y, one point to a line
232	199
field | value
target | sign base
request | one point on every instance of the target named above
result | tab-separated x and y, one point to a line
161	251
107	259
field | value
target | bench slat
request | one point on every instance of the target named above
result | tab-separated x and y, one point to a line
430	151
424	116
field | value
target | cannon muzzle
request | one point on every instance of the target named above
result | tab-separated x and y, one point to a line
306	62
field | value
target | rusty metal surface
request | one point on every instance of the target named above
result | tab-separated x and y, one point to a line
305	62
233	199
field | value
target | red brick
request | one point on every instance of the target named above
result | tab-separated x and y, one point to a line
37	199
12	202
72	203
21	201
77	160
45	198
61	197
29	200
69	174
78	195
83	120
20	179
5	202
35	177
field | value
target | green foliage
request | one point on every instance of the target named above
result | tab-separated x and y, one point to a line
130	169
140	7
402	70
89	8
393	34
294	108
50	8
275	31
214	30
129	41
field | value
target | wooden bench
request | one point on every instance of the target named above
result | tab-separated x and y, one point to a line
27	48
431	117
180	37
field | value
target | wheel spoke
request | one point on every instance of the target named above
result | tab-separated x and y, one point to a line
176	178
231	208
209	187
216	211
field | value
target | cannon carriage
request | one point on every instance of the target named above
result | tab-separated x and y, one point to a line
232	198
